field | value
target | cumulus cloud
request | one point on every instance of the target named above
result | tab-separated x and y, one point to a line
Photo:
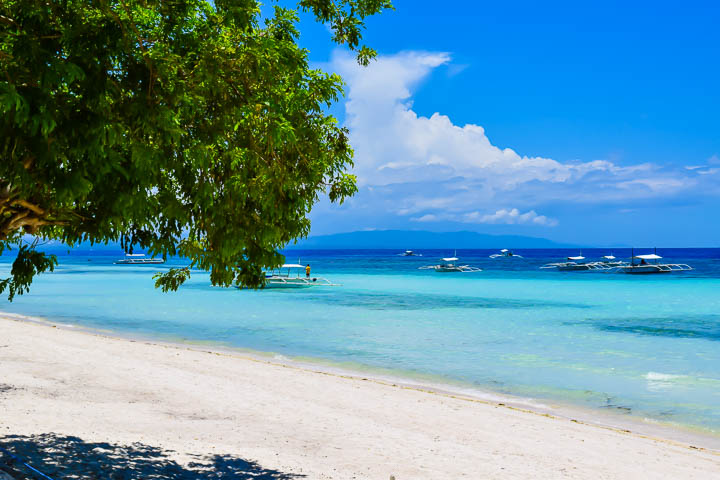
511	216
429	169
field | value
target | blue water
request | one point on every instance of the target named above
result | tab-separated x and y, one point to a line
647	346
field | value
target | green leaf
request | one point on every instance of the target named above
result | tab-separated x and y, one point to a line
189	128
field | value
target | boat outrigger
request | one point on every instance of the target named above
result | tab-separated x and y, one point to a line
612	261
289	276
505	253
138	259
649	264
449	265
574	264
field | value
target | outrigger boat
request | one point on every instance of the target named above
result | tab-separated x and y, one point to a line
138	259
449	265
505	253
649	264
284	277
410	253
572	265
612	261
569	266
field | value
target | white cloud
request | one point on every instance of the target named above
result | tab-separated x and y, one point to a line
393	144
654	184
511	216
427	169
709	169
426	218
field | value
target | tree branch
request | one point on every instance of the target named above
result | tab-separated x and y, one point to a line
29	206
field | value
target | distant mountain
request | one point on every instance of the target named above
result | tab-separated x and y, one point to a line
373	239
414	240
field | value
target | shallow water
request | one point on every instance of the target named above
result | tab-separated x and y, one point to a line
640	345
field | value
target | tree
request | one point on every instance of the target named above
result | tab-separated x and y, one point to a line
185	127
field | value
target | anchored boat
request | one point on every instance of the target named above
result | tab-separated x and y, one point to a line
138	259
449	265
289	276
505	253
611	261
646	264
570	265
575	264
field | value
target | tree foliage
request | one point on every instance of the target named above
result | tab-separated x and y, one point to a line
185	127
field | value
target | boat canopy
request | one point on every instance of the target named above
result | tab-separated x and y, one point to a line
293	265
650	256
576	258
450	259
504	250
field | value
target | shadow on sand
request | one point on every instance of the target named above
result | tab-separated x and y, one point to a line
64	457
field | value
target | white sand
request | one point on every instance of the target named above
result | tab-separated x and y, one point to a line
296	420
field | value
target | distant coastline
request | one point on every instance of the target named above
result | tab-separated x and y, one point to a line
387	240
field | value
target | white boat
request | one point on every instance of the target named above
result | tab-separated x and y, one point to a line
649	264
575	264
505	253
571	264
449	265
410	253
138	259
290	276
612	261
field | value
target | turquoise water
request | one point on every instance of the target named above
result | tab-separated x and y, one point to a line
638	345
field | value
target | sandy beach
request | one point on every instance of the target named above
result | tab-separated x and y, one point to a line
82	405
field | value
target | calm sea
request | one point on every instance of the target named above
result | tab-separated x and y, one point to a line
647	346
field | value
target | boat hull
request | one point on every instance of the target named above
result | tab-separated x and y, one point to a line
287	285
655	268
644	270
297	282
461	269
153	261
573	268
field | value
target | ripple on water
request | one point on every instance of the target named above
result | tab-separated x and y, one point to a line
688	326
409	301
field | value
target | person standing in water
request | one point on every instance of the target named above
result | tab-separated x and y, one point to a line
307	271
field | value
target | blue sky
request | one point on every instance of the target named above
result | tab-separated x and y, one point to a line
583	123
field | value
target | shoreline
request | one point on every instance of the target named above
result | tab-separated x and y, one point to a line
78	394
681	434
